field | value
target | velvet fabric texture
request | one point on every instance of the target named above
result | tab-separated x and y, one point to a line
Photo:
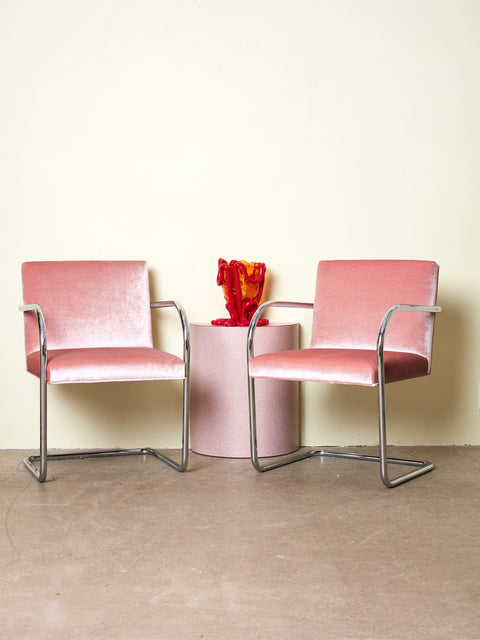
98	322
351	299
108	364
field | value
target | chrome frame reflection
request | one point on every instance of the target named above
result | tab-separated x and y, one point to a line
421	466
40	473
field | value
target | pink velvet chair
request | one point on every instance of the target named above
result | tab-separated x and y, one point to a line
95	319
355	302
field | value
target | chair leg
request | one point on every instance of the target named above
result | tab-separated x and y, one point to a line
422	466
40	473
278	462
182	465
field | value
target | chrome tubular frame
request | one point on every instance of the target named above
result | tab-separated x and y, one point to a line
186	388
41	473
421	466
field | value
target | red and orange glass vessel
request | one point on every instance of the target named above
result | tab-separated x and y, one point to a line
242	283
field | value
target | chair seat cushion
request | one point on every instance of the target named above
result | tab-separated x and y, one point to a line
338	366
108	364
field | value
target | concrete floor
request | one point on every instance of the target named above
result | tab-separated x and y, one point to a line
127	548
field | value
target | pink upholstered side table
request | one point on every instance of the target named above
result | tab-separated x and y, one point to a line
219	419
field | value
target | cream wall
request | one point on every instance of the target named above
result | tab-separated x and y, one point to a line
286	131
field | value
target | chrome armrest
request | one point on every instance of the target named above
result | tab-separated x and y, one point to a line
259	312
383	328
184	322
42	335
388	316
32	307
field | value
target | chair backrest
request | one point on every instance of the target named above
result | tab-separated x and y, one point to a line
352	296
88	304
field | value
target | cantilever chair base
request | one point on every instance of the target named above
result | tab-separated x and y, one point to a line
421	466
30	461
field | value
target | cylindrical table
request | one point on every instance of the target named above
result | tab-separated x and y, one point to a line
219	420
